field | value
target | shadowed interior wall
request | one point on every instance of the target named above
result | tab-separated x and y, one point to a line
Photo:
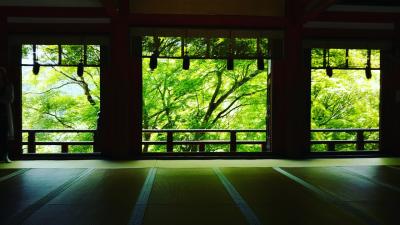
210	7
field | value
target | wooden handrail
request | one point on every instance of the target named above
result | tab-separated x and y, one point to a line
170	142
232	142
32	143
359	141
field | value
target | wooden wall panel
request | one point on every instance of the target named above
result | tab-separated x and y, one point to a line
210	7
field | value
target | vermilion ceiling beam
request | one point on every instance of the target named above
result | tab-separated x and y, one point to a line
256	22
315	8
69	12
111	7
366	17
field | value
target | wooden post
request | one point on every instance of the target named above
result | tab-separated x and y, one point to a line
64	148
264	147
331	146
202	147
390	103
31	142
170	140
360	140
233	141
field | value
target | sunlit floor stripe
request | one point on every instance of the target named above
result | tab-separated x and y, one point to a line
357	174
141	204
332	198
250	216
13	174
20	217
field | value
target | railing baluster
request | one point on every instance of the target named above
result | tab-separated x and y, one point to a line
331	146
31	142
233	141
264	147
202	147
170	139
360	140
64	148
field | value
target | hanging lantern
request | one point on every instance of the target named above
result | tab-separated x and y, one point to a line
229	63
186	62
154	56
368	72
153	61
36	65
260	62
36	68
80	67
329	69
186	58
260	58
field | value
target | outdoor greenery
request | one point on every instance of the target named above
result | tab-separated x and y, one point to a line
207	96
347	99
57	98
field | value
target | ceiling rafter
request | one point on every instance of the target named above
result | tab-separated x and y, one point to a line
314	8
111	7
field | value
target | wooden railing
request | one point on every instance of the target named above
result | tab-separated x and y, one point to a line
32	143
232	142
359	140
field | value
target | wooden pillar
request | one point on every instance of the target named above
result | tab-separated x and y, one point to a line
119	135
3	41
390	103
290	93
278	80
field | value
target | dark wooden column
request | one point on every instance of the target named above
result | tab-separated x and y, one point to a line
290	93
3	41
119	134
278	80
390	103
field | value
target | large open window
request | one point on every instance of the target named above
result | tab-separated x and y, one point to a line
345	90
204	94
60	97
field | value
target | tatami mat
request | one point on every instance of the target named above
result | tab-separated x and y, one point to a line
213	192
200	163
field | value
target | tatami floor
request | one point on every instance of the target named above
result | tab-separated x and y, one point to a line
204	192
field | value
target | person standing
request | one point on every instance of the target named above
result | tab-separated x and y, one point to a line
6	120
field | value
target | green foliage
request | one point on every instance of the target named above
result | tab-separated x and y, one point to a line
205	97
346	100
57	98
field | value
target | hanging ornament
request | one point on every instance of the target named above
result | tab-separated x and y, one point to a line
36	65
329	69
186	58
154	56
368	72
260	58
80	67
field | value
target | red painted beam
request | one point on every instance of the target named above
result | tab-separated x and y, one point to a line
347	33
70	12
366	17
315	8
249	22
59	29
111	7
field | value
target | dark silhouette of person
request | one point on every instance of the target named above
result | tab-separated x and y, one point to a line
6	120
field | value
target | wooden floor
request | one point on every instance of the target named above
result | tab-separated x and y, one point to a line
203	192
